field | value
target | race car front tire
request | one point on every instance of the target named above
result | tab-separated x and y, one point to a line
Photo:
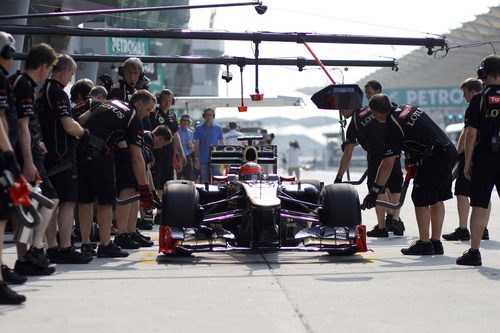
180	205
341	206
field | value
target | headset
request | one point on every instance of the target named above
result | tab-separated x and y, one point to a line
482	73
167	92
206	110
180	118
8	50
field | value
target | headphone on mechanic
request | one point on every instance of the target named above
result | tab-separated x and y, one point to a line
482	73
8	50
169	93
208	110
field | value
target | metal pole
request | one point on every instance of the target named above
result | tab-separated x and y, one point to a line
126	10
294	37
226	60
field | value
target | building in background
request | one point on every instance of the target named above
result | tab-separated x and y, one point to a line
183	79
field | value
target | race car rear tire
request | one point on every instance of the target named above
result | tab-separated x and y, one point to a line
180	205
341	206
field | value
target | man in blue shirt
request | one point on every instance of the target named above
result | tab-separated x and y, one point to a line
205	135
187	140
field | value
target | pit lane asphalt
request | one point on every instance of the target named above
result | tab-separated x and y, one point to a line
379	291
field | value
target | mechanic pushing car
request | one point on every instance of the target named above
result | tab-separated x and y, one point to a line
364	130
111	122
411	130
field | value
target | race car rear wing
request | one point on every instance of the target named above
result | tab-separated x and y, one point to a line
237	155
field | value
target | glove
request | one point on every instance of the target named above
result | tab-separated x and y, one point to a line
337	180
19	193
155	196
146	199
85	136
371	198
9	161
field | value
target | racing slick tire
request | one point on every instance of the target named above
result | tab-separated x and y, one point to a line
180	208
341	206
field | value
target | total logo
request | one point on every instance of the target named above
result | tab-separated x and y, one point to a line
494	99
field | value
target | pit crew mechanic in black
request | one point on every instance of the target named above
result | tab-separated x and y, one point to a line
163	170
123	90
110	123
30	149
369	133
482	153
8	162
470	87
60	132
411	130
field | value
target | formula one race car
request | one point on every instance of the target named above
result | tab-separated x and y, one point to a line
249	209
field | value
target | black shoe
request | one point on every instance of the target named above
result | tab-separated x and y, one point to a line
110	251
76	235
377	232
437	246
419	248
30	269
458	234
52	253
9	296
486	234
388	222
11	277
144	225
71	256
88	250
37	257
126	242
398	227
470	258
142	235
157	219
137	237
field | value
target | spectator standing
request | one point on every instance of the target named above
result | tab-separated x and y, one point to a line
231	137
205	135
187	139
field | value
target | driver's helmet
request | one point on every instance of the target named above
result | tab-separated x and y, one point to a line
250	171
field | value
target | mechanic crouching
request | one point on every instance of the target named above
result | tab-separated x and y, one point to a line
411	130
110	123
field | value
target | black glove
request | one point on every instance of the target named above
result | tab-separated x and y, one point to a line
337	180
155	196
371	198
9	161
85	136
146	199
